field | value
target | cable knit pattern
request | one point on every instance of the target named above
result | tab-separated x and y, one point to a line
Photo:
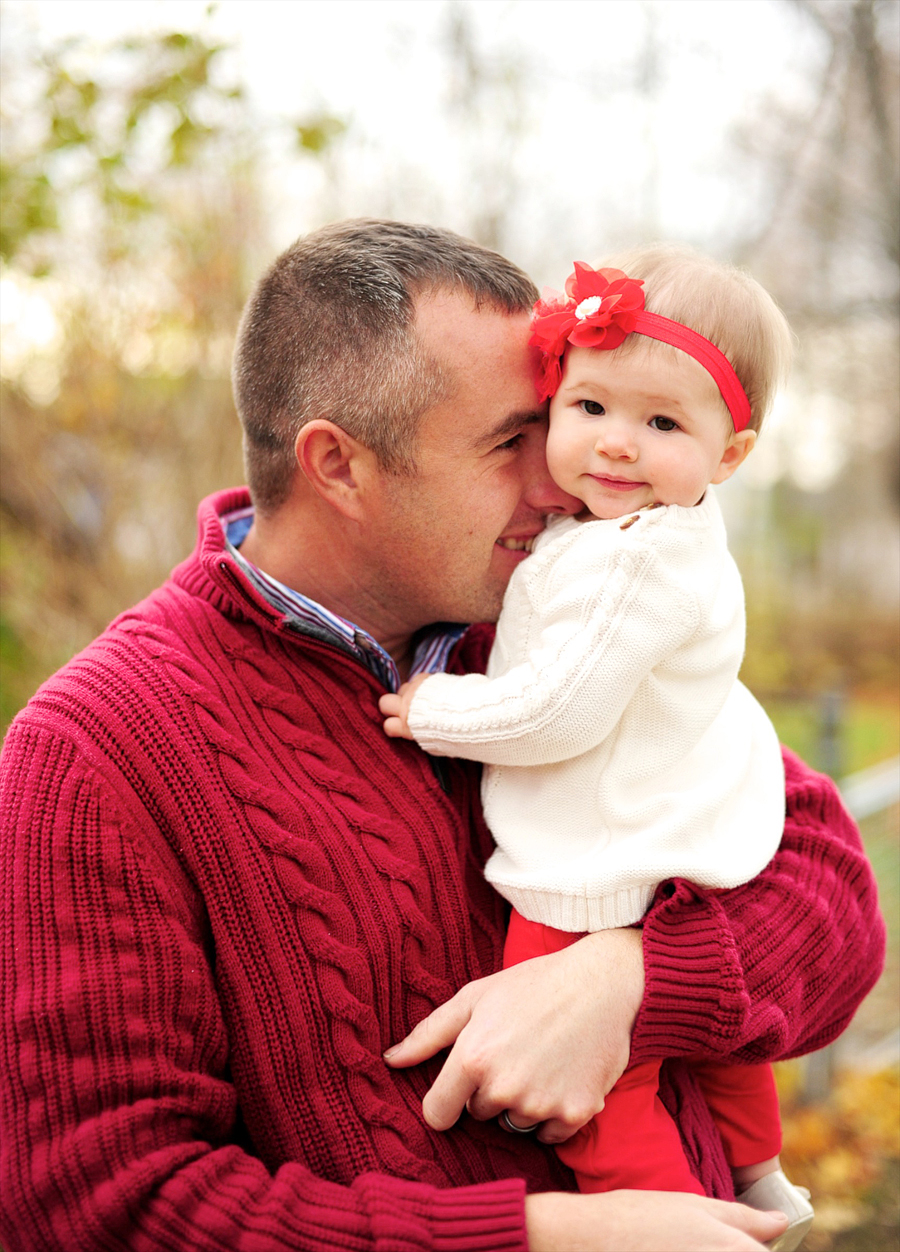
622	748
227	892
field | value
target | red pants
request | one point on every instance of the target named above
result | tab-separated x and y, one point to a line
634	1142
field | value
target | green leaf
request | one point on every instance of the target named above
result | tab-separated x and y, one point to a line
315	134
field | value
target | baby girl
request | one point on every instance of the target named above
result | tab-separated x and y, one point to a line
622	750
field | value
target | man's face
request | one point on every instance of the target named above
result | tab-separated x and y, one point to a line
450	536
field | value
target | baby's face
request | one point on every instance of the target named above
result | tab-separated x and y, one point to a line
647	427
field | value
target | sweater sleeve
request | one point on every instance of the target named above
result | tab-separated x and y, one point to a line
604	627
776	967
120	1125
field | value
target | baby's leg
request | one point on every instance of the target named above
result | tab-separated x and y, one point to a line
744	1103
633	1142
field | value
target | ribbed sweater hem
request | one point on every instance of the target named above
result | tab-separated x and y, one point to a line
577	914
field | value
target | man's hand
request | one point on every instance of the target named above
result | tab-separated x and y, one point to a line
545	1040
645	1221
395	708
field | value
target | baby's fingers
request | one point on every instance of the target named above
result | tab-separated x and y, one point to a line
390	705
396	728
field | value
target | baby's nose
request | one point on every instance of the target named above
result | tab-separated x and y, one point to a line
616	440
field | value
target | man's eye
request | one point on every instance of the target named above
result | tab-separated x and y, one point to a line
664	423
509	444
593	408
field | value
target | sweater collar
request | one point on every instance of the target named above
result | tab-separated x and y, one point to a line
269	602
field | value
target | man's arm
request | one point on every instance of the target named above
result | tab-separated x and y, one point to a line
759	973
774	968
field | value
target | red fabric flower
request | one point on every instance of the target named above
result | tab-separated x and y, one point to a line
599	313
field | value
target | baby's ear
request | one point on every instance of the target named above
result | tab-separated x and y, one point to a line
740	445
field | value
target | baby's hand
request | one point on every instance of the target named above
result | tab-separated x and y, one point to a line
396	708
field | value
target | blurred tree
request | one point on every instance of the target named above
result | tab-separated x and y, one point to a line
132	225
833	217
826	566
487	97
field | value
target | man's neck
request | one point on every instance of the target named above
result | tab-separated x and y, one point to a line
320	567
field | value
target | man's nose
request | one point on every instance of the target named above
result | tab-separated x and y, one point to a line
540	492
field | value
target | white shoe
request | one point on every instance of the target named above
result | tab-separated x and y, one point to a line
774	1191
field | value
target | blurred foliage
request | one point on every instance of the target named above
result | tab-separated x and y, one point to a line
846	1150
132	228
795	648
821	559
838	1149
317	134
868	729
111	138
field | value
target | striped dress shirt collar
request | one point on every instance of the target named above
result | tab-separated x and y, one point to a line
309	617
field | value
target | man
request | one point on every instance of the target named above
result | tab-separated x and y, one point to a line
229	893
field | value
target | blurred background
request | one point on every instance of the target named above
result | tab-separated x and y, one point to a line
156	155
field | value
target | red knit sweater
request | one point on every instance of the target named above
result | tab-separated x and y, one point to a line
225	892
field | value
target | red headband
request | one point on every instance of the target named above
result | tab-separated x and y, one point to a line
605	306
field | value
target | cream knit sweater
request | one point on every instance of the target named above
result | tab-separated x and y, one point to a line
623	750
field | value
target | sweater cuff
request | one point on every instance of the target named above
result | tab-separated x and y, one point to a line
487	1217
695	999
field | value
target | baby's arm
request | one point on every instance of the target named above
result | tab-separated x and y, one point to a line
602	631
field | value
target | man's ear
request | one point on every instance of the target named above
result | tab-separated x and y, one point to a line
335	464
739	448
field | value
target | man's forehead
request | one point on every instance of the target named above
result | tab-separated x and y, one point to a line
450	321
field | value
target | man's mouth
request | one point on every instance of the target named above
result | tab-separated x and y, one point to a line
516	545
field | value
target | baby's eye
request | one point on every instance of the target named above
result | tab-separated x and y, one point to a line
664	423
592	407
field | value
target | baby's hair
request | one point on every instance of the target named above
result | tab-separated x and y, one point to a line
720	302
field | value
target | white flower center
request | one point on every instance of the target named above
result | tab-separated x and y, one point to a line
587	307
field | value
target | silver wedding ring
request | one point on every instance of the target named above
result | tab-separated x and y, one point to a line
516	1130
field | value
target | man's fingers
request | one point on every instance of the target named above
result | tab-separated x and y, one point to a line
453	1086
555	1130
436	1031
757	1223
449	1094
